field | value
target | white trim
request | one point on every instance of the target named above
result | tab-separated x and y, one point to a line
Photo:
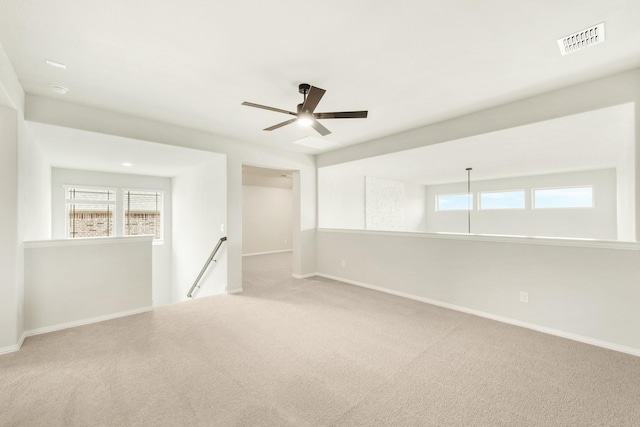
15	347
543	329
270	252
529	240
86	241
303	276
90	320
234	291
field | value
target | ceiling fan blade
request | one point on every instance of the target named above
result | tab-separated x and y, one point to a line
319	128
313	98
342	115
279	125
264	107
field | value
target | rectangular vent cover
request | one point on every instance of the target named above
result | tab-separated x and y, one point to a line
582	39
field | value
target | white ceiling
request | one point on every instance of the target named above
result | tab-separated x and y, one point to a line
410	63
78	149
593	140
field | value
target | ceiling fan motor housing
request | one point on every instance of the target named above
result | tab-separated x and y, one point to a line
303	88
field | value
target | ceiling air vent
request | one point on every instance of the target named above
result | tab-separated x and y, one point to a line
582	39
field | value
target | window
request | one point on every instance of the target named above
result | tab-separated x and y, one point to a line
577	197
502	200
89	211
143	213
454	202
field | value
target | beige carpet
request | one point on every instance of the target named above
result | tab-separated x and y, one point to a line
312	352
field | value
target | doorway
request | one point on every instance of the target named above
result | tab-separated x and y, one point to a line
267	226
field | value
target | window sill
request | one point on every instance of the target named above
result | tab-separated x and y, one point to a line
86	241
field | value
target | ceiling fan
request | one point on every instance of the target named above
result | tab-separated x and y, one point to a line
305	115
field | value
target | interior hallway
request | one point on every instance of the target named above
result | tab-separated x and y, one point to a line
312	352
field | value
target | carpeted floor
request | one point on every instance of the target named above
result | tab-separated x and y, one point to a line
312	352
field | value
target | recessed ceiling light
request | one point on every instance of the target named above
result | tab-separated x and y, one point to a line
56	64
59	89
582	39
127	164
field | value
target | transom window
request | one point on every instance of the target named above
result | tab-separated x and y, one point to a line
454	202
575	197
502	199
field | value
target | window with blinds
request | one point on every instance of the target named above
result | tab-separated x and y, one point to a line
143	213
89	211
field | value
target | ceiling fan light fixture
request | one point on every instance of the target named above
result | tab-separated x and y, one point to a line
305	114
305	120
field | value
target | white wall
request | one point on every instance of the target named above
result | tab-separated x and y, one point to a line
34	188
24	211
161	252
626	179
70	282
586	291
598	222
341	199
10	285
34	202
589	292
199	211
55	112
415	207
267	219
597	94
252	178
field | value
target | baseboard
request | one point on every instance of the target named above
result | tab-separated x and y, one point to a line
532	326
15	347
234	291
304	276
75	323
270	252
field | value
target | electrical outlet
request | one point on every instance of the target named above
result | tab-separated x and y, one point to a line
222	227
524	297
343	263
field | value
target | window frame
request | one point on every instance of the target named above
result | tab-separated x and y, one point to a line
124	190
469	196
68	202
524	200
593	198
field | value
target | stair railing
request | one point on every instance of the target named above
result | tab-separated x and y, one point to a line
206	265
